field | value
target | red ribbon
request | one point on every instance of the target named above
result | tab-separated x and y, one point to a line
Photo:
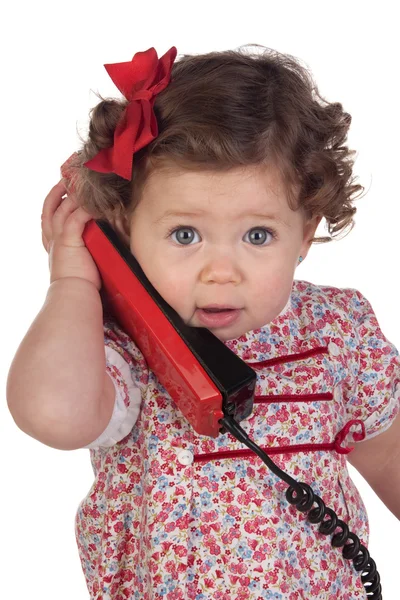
358	437
139	80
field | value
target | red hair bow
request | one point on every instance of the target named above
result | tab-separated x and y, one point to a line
139	80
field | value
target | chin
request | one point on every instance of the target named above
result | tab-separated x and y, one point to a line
224	334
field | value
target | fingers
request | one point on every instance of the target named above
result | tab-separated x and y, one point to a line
45	242
62	218
69	223
63	211
52	201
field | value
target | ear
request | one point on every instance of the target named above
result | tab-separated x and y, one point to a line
310	228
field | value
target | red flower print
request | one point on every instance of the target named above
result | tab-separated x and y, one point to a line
259	556
270	578
176	594
226	496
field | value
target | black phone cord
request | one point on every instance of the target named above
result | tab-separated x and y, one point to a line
302	496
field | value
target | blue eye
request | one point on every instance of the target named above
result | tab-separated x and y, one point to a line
255	234
185	235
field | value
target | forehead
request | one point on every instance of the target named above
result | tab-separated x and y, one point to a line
240	191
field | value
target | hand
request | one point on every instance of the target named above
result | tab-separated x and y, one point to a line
63	223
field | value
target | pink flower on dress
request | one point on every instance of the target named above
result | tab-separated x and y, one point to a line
270	577
259	556
176	594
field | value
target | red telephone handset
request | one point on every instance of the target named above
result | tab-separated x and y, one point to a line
205	379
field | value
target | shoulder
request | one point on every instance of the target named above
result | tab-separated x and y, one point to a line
348	303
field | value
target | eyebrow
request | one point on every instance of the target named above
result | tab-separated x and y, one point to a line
172	213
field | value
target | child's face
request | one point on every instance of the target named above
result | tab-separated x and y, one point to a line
224	255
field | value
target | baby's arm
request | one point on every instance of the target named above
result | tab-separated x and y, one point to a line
375	400
378	461
58	391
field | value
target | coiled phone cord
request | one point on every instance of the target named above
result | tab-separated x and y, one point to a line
303	499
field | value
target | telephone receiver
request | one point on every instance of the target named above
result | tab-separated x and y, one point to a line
206	380
212	387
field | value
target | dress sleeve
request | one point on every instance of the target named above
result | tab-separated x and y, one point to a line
128	371
375	397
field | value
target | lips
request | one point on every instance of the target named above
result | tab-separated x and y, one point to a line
217	318
217	307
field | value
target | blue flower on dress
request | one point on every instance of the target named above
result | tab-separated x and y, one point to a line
162	482
135	434
305	584
168	580
241	469
318	311
228	520
179	509
205	499
221	440
352	344
271	595
253	585
263	337
176	514
211	472
303	437
127	521
162	590
197	535
374	343
341	373
243	551
210	562
153	442
369	376
113	566
214	475
196	511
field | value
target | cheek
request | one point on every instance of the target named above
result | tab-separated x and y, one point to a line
274	289
168	281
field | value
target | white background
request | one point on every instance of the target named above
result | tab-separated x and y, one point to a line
52	57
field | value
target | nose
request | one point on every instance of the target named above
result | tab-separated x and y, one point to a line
220	268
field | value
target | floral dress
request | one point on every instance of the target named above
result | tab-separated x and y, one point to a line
176	515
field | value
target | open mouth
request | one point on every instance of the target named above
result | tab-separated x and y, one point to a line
216	310
218	317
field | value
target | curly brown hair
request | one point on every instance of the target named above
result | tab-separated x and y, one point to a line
229	109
